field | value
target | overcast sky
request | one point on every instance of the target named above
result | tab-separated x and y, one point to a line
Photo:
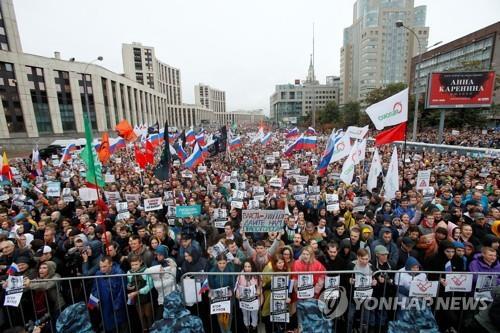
242	47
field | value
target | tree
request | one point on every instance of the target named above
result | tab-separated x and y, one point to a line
381	93
352	114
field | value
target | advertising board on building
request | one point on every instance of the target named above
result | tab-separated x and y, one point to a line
460	89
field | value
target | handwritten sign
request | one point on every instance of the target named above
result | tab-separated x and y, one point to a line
254	220
153	204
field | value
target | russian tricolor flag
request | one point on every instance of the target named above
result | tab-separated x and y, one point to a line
66	156
190	136
293	133
309	142
295	146
265	139
13	269
37	162
117	145
310	131
93	302
327	155
195	158
235	143
200	138
180	152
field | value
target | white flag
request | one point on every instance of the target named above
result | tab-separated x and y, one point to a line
357	132
391	184
361	152
391	111
342	149
349	165
375	170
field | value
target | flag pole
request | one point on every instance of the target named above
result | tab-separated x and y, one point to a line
404	158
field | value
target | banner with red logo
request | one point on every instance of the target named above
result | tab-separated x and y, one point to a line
460	89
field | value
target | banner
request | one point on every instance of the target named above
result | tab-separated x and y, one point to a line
355	132
153	204
262	220
460	89
187	211
391	111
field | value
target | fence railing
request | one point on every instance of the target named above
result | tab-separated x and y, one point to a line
338	301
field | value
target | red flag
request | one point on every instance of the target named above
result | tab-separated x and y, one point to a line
150	153
104	153
126	131
397	133
140	159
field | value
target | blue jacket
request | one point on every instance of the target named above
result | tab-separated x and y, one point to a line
220	281
112	298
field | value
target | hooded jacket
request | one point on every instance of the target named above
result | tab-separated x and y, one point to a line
163	278
176	318
74	319
391	247
478	265
49	286
90	267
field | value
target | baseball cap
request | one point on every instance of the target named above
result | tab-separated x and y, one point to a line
380	249
478	216
44	250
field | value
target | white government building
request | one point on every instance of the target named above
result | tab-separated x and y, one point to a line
44	98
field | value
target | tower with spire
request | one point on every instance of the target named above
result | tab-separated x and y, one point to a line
311	78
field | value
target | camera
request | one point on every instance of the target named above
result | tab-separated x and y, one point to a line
30	326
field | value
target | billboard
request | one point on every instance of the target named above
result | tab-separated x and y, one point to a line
460	89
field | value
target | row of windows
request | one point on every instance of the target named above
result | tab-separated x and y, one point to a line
147	106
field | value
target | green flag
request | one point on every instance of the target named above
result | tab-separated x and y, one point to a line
89	157
234	127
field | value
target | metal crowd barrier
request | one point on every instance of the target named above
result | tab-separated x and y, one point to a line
72	290
346	312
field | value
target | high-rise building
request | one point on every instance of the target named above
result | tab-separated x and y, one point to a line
141	65
210	98
289	102
375	52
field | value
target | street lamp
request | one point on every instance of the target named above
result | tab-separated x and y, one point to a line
400	24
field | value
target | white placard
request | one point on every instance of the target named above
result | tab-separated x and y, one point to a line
237	204
458	282
423	288
186	174
332	284
423	179
122	209
253	204
202	168
109	178
112	197
53	189
270	159
153	204
275	182
484	287
305	286
301	179
332	199
169	198
220	301
276	154
191	291
14	291
285	165
132	197
66	195
362	286
87	194
248	298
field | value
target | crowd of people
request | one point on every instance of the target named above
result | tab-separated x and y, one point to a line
451	226
484	138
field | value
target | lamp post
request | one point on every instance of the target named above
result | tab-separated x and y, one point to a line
400	24
85	91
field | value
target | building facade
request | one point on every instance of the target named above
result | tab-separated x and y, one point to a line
289	102
141	65
375	52
43	98
210	98
479	50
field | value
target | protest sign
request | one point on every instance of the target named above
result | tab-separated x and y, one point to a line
423	288
285	165
262	220
87	194
153	204
484	287
14	291
258	193
109	178
276	154
305	286
187	211
169	198
202	168
268	172
301	179
248	298
186	174
275	182
220	217
359	204
332	284
122	209
279	294
132	197
362	286
270	159
423	179
253	204
112	197
220	301
66	195
292	172
458	282
53	189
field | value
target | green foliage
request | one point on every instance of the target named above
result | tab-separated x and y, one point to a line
378	94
